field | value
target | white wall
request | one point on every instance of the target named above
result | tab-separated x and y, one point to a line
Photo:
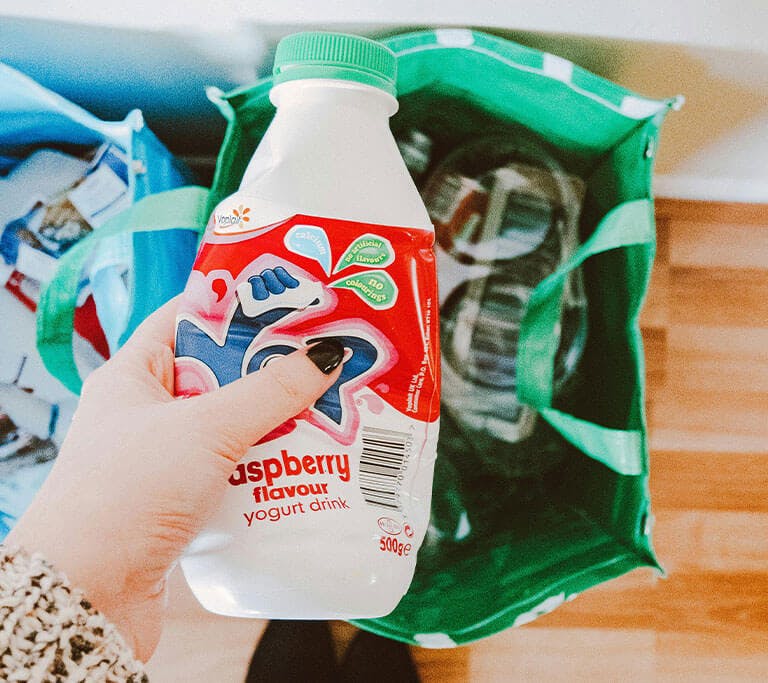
716	146
110	56
715	23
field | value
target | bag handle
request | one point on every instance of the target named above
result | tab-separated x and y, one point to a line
624	451
184	207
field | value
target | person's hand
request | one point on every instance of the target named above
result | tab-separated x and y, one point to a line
140	472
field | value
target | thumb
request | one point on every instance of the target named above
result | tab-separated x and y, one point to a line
240	413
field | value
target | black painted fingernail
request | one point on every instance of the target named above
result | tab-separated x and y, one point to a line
326	354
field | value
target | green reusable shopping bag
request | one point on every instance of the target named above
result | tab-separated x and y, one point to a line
587	520
32	117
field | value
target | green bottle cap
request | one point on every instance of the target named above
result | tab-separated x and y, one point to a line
317	54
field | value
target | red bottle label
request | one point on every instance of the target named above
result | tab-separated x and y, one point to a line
257	294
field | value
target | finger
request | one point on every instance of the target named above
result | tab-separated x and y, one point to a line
148	353
242	412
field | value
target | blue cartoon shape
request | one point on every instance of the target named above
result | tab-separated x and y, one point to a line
271	281
262	301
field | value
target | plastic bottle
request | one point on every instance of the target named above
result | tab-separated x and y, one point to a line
327	236
416	150
506	214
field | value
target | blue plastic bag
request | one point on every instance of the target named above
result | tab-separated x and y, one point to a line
33	117
34	407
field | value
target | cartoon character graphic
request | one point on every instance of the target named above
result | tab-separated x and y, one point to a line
263	302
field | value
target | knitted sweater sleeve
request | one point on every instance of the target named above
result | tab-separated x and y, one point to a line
50	632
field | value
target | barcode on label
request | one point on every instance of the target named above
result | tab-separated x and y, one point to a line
382	464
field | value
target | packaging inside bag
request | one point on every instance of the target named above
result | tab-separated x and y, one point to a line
523	165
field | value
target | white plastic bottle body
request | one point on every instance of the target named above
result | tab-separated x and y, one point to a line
328	153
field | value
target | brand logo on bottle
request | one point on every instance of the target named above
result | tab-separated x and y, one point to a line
239	216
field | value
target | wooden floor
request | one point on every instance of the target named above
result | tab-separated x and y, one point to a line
706	331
